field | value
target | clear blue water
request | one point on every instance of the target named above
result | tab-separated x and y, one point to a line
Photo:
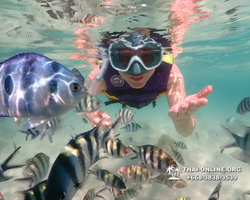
215	51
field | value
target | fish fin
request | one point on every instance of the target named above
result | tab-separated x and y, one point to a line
133	158
231	133
100	156
33	123
5	165
241	155
50	138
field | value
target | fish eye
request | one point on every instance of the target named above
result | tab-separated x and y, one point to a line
75	87
63	196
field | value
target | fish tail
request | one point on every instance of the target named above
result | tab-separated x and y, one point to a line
5	165
234	135
132	149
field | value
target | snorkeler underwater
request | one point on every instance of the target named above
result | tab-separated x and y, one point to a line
134	98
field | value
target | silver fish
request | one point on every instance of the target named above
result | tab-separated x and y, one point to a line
241	142
109	178
130	193
132	127
116	149
4	166
89	104
243	106
126	114
36	192
36	169
154	158
178	156
181	145
71	166
36	87
136	174
92	194
216	193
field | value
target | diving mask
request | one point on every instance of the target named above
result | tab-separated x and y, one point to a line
135	54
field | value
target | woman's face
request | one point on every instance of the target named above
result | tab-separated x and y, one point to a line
137	81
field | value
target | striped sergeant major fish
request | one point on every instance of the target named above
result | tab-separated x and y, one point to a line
153	157
4	166
71	166
241	142
130	193
1	196
92	194
178	156
116	148
216	193
244	106
34	193
36	169
127	115
164	180
132	127
109	178
179	144
36	87
88	104
137	174
48	128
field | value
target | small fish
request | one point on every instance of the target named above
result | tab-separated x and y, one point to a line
243	106
4	166
130	193
184	198
84	120
127	115
92	194
109	178
178	156
116	148
78	75
132	127
1	196
154	158
36	169
137	174
216	193
241	142
164	180
115	192
36	192
71	166
36	87
197	135
181	145
88	104
47	128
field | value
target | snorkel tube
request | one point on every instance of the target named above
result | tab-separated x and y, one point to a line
97	80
